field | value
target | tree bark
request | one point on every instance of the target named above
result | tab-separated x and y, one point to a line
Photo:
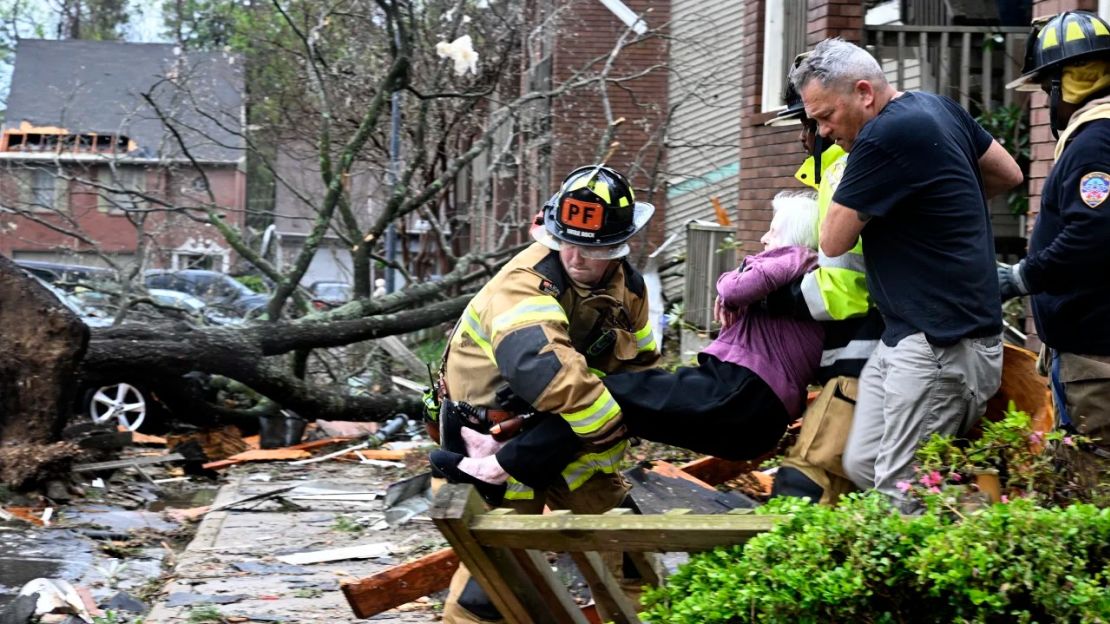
248	353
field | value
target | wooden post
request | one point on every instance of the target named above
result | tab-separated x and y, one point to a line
401	584
496	569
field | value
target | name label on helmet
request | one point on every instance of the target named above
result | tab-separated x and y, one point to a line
582	215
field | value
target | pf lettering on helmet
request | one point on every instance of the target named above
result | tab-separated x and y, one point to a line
595	208
582	215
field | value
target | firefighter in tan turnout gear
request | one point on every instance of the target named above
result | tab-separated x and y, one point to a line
533	343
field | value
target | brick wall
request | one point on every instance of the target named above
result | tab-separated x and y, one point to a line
770	156
110	230
587	31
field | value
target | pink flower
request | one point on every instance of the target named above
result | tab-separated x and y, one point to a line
1005	499
1068	441
904	486
955	477
1036	437
932	479
934	490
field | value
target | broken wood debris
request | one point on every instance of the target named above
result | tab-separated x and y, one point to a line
131	461
402	583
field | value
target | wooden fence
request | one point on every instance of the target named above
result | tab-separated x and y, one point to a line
506	551
970	64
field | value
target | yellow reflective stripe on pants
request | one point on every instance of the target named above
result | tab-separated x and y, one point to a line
587	465
515	490
594	417
530	310
472	327
577	472
645	339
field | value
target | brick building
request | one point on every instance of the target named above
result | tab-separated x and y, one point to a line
89	170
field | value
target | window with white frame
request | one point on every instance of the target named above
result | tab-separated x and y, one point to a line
784	37
121	189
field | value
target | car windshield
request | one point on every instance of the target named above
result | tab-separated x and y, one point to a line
332	291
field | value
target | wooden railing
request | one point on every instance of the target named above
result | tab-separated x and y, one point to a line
970	64
505	551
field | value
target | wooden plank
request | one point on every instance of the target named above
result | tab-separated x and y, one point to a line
915	28
402	583
244	457
901	60
607	592
496	570
715	471
551	588
670	470
581	532
645	565
988	67
133	461
923	59
965	70
944	58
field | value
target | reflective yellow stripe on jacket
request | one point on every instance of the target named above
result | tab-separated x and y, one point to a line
645	340
577	472
531	310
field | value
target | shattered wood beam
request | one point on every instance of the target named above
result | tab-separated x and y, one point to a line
401	584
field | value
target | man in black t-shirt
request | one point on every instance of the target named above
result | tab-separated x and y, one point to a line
915	187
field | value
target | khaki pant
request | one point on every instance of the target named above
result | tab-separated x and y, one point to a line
819	450
1086	384
907	393
599	494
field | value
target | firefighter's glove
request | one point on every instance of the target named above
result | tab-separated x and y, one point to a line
1011	282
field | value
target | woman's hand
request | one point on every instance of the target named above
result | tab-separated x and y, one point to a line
724	315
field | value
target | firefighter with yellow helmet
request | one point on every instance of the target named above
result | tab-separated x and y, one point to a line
535	340
1067	268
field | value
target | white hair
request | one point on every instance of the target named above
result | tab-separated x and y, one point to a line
837	64
795	218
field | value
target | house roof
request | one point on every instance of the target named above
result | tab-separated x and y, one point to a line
97	86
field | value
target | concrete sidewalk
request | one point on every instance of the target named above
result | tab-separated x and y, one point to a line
231	566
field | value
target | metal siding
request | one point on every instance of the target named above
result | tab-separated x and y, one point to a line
703	141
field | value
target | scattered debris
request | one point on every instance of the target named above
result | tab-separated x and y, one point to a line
364	551
185	599
408	498
149	460
401	584
56	596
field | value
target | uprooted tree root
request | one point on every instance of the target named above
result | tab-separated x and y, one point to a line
26	466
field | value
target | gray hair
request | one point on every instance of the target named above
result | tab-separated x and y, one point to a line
795	215
837	64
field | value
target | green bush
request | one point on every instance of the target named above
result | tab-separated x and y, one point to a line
862	562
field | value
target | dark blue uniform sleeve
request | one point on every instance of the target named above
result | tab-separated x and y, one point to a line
1081	245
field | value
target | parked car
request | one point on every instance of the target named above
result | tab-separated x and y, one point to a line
127	403
65	275
218	290
327	295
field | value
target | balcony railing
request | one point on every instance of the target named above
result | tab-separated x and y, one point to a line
970	64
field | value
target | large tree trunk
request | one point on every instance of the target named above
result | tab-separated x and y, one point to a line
41	343
248	354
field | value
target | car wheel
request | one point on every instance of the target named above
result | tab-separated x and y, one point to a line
121	402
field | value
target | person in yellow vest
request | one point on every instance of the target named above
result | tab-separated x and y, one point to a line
1067	268
836	293
537	338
